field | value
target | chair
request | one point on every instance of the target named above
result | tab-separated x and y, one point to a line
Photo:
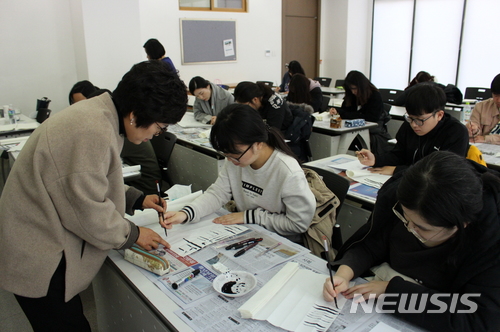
324	103
390	95
42	114
339	83
479	94
324	81
163	145
339	185
268	83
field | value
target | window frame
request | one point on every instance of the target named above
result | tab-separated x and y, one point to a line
217	9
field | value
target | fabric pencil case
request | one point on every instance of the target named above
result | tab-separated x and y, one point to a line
140	257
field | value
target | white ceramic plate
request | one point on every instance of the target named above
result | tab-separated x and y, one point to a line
234	283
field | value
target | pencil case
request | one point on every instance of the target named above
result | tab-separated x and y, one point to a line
148	261
354	123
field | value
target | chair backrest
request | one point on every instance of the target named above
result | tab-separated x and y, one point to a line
477	93
339	83
268	83
42	114
163	145
324	103
324	81
390	95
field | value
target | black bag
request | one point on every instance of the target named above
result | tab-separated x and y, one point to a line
453	94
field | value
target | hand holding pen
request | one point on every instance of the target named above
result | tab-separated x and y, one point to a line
162	203
365	157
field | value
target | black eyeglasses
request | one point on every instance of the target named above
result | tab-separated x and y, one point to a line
161	130
241	155
418	122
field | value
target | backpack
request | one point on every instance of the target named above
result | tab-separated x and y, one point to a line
300	130
324	217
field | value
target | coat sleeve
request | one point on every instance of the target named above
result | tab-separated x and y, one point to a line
476	308
371	111
199	113
397	156
300	206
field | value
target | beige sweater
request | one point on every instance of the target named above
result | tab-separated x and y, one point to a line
65	194
486	115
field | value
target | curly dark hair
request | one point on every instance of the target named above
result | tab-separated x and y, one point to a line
153	93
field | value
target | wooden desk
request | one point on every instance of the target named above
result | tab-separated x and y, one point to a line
326	141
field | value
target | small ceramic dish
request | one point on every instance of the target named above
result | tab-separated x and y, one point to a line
234	283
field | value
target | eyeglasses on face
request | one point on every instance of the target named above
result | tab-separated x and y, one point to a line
418	122
161	130
241	155
411	229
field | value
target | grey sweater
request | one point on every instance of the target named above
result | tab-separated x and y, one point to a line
204	110
275	196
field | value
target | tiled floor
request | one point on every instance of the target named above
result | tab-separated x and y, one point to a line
12	318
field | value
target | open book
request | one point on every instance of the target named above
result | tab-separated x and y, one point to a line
360	173
293	300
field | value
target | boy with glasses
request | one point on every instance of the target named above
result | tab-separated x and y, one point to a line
427	129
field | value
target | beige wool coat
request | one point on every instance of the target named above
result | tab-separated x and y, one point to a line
65	194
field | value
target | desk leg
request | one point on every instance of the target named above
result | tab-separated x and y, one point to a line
347	138
323	146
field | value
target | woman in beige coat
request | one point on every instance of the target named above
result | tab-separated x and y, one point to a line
63	205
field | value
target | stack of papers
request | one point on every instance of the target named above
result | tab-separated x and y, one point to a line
293	300
360	173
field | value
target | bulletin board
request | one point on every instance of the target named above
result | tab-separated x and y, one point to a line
208	41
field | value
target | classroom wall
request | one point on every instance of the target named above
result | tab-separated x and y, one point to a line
49	45
37	56
345	37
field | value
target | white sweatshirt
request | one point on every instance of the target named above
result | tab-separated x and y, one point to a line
275	196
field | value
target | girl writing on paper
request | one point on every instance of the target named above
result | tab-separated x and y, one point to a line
260	174
210	99
434	238
363	101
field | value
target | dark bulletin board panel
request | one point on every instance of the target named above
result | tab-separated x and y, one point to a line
203	40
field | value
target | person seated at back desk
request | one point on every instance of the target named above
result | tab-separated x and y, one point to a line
303	90
433	243
262	98
363	101
210	99
484	124
427	129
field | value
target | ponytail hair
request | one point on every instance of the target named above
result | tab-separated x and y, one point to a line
241	124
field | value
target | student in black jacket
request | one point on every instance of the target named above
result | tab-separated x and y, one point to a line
437	228
363	101
262	98
427	129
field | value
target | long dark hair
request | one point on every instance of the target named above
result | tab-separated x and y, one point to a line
246	91
299	90
422	76
294	67
241	124
365	88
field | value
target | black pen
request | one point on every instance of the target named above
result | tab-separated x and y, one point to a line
160	214
359	150
239	246
176	284
325	244
243	242
244	250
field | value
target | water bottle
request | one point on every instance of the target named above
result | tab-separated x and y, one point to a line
467	111
12	116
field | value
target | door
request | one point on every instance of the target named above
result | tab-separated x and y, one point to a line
300	39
